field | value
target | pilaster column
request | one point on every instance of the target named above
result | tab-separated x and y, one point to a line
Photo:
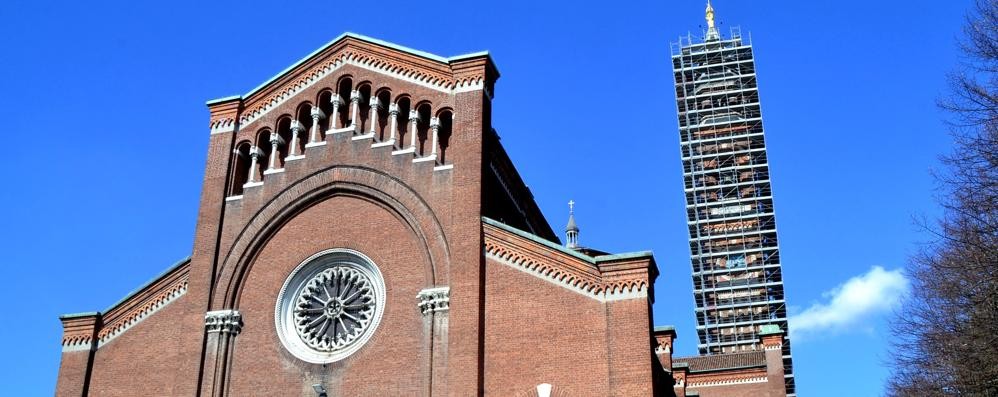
375	106
317	115
413	122
336	101
221	328
434	304
354	109
393	120
435	126
275	140
255	154
296	129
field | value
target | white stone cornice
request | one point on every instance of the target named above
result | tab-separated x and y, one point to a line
223	321
112	331
222	125
433	300
757	379
574	284
466	84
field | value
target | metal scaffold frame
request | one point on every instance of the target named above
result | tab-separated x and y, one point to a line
734	250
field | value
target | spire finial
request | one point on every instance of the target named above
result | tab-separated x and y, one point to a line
710	15
571	230
712	33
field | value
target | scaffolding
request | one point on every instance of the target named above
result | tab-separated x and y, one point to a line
734	250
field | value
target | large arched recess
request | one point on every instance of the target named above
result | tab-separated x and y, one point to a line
364	183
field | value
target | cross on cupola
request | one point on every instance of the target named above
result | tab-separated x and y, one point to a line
572	230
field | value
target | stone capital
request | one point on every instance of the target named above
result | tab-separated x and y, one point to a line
317	113
223	322
434	300
257	152
275	139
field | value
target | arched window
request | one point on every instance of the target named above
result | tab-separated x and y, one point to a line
364	115
403	121
446	120
284	143
265	150
344	88
240	168
326	105
304	116
384	98
423	127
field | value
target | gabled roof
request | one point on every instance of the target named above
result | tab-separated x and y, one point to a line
370	40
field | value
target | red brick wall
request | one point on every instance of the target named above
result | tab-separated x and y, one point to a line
144	359
629	339
537	332
261	365
72	373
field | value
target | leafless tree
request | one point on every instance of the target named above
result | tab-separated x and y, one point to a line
946	333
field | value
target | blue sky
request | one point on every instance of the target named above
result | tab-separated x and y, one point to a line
106	131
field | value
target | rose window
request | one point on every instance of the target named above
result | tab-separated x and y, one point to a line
334	308
330	306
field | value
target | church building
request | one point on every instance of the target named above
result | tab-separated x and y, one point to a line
362	232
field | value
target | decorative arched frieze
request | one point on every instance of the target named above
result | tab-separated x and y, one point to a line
117	326
364	183
583	278
363	59
222	124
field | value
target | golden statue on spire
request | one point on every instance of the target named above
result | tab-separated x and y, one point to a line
710	15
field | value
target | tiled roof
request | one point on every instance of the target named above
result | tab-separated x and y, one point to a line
716	362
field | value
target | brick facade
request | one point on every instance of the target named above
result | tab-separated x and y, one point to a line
480	297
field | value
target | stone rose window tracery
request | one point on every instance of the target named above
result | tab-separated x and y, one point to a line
334	308
330	306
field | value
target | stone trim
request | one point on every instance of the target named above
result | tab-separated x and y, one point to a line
367	60
135	316
77	341
726	382
223	322
222	125
576	275
432	300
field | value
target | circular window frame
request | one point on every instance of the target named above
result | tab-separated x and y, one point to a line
296	282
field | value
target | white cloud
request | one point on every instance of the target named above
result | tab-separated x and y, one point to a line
852	302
